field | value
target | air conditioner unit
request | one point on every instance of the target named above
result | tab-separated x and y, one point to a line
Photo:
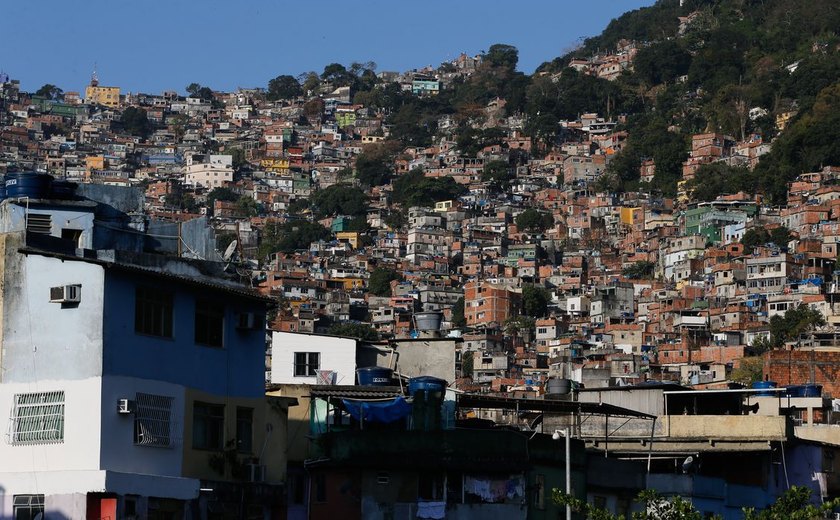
125	406
246	320
66	294
256	472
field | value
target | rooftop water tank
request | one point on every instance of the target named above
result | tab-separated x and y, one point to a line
761	385
28	184
374	376
428	320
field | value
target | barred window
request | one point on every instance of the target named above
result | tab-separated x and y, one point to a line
28	507
153	421
37	418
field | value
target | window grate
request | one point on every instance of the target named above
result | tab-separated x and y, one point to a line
153	421
37	418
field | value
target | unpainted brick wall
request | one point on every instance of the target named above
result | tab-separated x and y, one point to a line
798	367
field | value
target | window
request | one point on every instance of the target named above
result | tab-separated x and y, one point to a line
306	363
209	323
38	418
244	429
208	426
28	507
153	312
153	420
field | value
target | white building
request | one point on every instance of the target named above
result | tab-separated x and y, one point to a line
299	358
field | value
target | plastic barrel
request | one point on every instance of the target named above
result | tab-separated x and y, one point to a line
761	385
374	376
28	184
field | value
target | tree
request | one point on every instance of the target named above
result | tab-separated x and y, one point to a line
750	370
639	270
238	159
498	173
290	237
220	193
655	507
754	237
458	319
534	220
247	206
197	91
340	199
467	363
793	324
374	164
661	62
380	280
136	122
362	331
284	87
535	301
502	55
415	189
794	504
50	91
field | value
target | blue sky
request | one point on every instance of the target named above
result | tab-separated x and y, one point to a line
152	45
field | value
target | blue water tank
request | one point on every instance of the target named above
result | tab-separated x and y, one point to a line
374	376
761	385
426	384
804	390
28	184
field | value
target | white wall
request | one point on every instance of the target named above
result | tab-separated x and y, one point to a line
45	341
78	453
337	354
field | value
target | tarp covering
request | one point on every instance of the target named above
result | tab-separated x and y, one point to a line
378	411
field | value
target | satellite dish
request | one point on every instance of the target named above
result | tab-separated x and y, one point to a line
231	248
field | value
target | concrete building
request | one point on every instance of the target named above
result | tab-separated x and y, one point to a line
132	381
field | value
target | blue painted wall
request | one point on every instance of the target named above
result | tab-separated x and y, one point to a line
237	369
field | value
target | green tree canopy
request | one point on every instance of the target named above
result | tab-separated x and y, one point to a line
794	323
374	166
50	91
415	189
291	236
639	270
380	280
136	122
535	301
754	237
534	220
340	199
498	174
284	87
354	330
458	319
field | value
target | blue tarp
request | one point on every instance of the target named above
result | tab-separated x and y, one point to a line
378	411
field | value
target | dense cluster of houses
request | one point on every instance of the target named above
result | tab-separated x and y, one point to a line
638	302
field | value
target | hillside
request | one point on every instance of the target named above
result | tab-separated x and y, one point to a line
743	68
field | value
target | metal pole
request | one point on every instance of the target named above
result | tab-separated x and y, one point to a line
566	434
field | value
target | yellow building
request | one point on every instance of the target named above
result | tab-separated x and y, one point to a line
629	216
351	237
107	96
